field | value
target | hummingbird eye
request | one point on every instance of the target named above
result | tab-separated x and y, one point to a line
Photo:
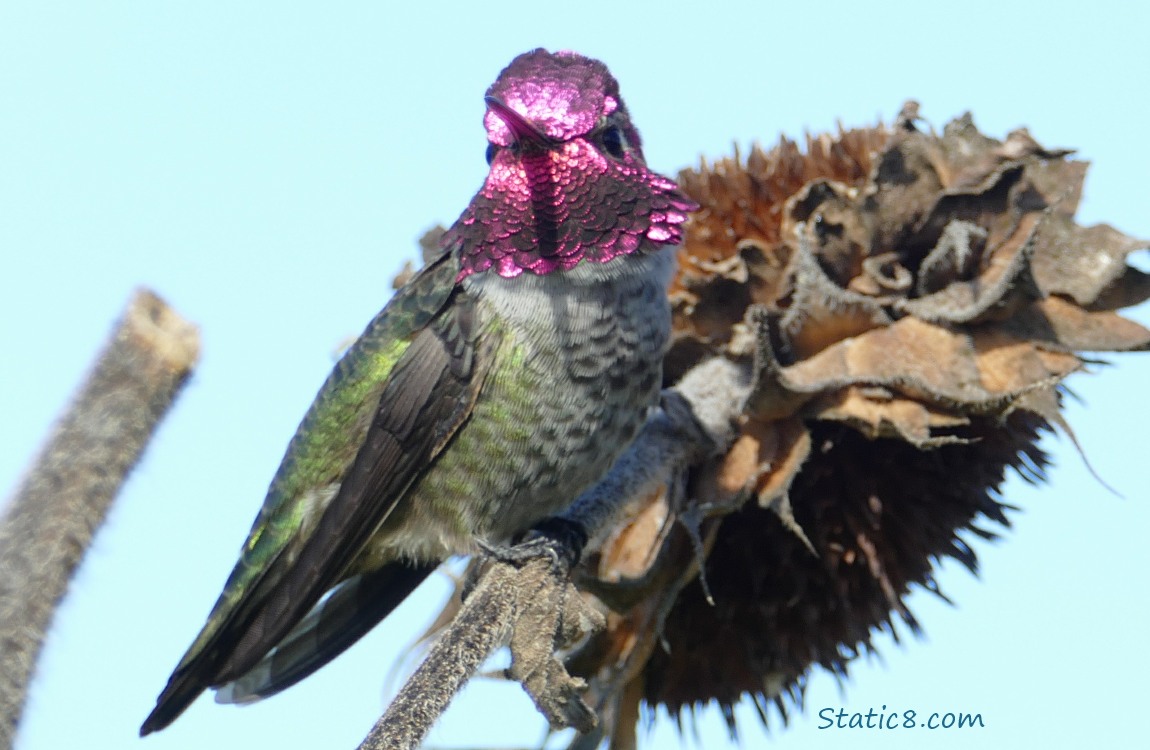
614	141
492	150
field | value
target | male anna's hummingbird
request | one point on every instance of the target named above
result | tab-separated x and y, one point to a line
498	383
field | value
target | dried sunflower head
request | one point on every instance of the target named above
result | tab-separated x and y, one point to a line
922	296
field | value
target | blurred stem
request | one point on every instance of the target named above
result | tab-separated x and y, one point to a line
50	520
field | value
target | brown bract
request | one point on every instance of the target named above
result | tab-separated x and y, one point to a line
919	299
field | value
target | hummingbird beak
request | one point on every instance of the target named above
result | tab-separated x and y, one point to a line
522	130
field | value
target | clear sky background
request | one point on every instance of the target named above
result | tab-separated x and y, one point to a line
267	170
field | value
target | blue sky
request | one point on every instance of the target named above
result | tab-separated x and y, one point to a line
267	170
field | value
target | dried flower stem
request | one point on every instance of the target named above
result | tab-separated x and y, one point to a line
51	518
481	627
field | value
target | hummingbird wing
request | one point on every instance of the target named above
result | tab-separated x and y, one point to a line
390	406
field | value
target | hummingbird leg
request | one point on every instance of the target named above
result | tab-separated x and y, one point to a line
561	540
558	538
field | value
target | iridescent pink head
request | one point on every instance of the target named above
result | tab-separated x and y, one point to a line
568	182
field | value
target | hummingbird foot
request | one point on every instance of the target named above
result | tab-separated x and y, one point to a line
560	539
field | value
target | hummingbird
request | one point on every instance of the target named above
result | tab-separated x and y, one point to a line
499	382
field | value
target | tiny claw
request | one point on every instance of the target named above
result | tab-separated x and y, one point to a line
692	522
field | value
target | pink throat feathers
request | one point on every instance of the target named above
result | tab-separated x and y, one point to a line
567	182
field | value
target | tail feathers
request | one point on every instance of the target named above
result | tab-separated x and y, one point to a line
203	664
182	689
331	627
198	670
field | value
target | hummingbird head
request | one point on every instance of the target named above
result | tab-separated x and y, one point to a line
568	182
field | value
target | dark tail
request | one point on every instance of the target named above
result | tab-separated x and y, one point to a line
353	608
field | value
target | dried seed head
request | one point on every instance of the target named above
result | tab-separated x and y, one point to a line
923	296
